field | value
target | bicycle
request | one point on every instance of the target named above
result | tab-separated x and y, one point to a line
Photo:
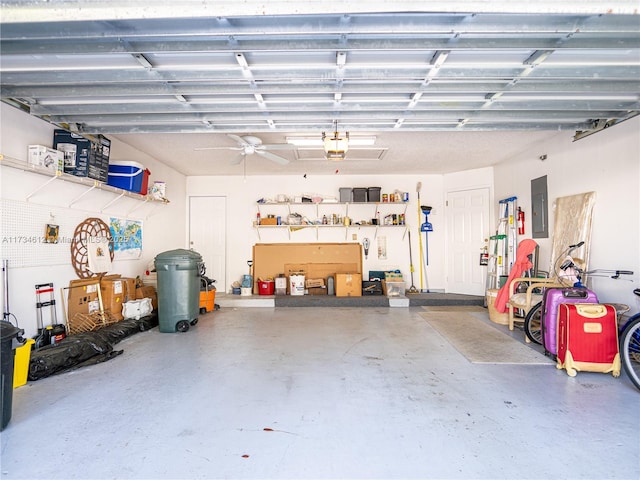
630	347
571	274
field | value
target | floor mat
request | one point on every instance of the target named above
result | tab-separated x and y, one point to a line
479	342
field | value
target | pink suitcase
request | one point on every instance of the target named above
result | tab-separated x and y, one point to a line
553	297
588	339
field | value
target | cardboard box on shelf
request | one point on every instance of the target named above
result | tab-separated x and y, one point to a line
83	157
348	285
269	221
41	156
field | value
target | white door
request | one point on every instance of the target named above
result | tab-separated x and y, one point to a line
468	226
207	234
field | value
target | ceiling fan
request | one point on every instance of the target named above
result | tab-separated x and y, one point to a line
248	145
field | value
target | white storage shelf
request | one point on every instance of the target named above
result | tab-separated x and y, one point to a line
90	183
314	211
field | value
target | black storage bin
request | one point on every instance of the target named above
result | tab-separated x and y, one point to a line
371	287
374	194
360	195
376	275
11	337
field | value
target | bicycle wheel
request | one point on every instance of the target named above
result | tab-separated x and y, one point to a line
532	324
630	351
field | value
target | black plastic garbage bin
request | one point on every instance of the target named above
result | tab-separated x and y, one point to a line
178	289
11	337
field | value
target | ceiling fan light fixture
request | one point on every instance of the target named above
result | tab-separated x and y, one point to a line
335	156
336	144
336	147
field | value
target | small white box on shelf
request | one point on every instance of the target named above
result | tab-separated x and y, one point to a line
42	156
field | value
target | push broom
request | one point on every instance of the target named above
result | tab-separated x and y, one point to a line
413	288
418	188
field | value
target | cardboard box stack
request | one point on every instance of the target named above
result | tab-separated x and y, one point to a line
84	310
316	286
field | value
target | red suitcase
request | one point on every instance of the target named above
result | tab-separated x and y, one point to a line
553	297
588	339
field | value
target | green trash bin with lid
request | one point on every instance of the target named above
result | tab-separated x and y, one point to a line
178	289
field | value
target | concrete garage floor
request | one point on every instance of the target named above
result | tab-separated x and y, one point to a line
319	393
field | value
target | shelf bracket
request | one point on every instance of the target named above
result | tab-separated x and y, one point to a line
43	185
112	202
95	184
146	199
155	206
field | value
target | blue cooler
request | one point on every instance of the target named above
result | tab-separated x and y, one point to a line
126	175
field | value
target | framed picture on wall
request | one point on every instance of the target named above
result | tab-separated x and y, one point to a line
51	233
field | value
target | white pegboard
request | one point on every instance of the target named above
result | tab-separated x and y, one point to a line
23	233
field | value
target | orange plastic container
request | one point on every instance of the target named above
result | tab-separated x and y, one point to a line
207	300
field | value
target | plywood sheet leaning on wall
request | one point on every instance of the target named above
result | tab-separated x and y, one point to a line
270	259
572	225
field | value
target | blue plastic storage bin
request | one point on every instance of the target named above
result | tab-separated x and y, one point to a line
126	175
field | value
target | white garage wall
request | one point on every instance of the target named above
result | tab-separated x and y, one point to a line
243	193
608	163
163	225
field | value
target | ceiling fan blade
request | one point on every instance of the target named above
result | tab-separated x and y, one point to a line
198	149
238	159
238	139
274	158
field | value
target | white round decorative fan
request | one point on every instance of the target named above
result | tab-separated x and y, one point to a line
249	145
90	229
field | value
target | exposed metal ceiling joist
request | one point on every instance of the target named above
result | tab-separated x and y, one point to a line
38	11
135	69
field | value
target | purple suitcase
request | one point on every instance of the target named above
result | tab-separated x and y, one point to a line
553	298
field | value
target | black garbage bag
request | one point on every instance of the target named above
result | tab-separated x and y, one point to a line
85	349
68	354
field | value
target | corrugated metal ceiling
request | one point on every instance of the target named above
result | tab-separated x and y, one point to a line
370	72
212	68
